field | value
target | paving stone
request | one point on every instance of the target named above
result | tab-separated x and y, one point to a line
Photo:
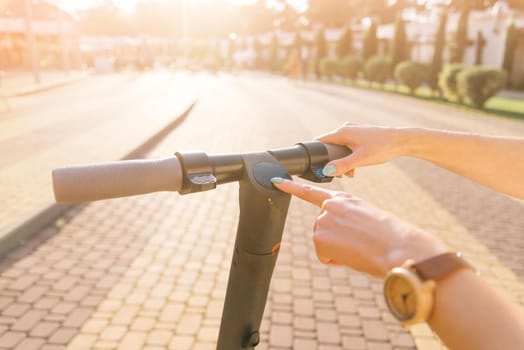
303	307
143	324
181	342
94	325
52	347
280	336
62	336
82	342
63	308
159	337
23	282
16	309
304	323
5	301
369	312
77	294
354	342
31	344
11	339
132	341
285	318
125	315
374	330
208	334
77	318
325	315
328	333
189	324
46	303
44	329
28	320
113	333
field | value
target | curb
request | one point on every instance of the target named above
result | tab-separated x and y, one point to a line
15	237
46	87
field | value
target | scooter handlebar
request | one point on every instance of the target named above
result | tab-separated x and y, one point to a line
84	183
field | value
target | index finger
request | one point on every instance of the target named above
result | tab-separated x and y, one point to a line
311	194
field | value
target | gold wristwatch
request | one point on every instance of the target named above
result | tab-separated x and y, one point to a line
409	289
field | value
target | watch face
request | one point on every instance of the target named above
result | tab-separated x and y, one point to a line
401	297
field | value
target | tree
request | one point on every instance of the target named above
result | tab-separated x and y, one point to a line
400	44
461	38
331	13
510	47
479	48
440	42
370	46
321	45
274	60
297	41
345	43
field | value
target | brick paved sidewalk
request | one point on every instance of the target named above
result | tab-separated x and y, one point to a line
150	272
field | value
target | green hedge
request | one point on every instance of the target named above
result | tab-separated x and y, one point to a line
480	83
411	74
377	69
328	67
350	67
447	81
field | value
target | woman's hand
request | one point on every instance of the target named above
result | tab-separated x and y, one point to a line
370	145
350	231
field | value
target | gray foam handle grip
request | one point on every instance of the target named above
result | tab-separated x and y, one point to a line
337	152
82	183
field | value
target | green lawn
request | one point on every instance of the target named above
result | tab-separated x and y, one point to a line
503	106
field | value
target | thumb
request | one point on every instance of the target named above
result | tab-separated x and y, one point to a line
341	166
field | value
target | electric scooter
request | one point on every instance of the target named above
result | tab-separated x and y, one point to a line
263	211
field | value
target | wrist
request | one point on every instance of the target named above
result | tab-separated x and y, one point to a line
417	246
409	141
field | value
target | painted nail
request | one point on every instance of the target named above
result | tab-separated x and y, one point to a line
277	180
329	170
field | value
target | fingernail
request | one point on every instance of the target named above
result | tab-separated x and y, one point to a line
329	170
277	180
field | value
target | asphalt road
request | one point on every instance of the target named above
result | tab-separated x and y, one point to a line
96	119
150	272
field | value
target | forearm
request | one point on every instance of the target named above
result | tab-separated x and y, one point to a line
495	162
468	314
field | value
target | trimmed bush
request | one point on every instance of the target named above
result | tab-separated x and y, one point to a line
377	69
479	83
447	81
411	74
328	67
350	67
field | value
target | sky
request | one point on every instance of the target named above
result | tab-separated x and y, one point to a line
128	5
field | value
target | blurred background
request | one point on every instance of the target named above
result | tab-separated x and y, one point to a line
221	34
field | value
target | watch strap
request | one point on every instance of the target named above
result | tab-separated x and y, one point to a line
441	265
